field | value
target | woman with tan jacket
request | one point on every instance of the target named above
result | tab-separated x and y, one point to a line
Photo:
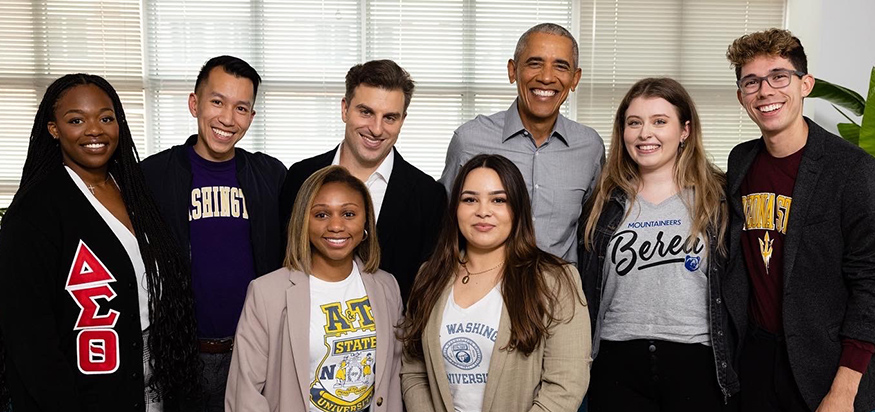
319	334
494	323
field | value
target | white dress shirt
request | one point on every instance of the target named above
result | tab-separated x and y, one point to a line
378	181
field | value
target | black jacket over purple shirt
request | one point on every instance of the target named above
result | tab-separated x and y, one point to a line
168	175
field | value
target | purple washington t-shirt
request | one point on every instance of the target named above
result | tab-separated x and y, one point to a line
221	250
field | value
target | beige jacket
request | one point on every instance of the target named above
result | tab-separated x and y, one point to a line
270	367
552	378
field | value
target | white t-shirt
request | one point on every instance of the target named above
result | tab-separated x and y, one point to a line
467	339
343	345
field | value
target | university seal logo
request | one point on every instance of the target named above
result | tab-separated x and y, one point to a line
463	353
344	379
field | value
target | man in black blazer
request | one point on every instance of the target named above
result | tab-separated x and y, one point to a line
800	286
408	203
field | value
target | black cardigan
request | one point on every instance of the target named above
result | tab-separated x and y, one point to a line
39	314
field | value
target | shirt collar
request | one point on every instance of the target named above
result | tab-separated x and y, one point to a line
513	125
384	170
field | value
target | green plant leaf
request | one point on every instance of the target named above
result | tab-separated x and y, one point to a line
867	126
849	132
838	95
846	116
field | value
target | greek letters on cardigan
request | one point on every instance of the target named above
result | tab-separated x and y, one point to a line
97	345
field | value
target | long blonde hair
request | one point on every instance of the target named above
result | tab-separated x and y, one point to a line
692	169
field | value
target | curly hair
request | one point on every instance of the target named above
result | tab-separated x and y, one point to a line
771	42
172	337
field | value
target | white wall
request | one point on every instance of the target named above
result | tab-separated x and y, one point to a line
839	39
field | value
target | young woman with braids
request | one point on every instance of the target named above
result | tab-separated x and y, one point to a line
95	303
494	323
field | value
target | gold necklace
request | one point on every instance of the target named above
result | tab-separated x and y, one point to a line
92	187
468	274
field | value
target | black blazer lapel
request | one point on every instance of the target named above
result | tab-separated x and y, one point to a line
395	201
295	177
735	280
803	191
739	171
735	176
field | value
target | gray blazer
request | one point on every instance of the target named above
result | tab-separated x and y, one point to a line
829	260
552	378
271	349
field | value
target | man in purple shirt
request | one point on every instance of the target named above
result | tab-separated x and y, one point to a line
222	205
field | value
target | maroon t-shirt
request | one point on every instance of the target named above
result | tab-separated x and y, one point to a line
767	197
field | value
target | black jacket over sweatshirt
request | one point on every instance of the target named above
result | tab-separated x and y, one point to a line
168	174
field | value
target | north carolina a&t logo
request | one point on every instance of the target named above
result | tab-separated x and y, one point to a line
344	380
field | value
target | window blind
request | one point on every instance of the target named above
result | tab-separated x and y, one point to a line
455	50
42	40
622	41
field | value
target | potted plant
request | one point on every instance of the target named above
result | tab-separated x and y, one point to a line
863	133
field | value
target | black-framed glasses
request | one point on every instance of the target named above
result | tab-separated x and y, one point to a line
777	79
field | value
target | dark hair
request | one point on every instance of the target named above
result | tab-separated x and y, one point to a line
299	251
384	74
530	301
771	42
547	28
231	65
172	339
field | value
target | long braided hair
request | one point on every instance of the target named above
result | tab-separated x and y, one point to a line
172	337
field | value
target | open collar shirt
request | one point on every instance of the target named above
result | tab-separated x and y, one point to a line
378	181
560	174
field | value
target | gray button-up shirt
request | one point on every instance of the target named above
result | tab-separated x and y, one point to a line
559	174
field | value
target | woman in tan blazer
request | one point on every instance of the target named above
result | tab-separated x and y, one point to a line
494	323
319	334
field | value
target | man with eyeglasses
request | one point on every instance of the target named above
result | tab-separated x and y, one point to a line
800	286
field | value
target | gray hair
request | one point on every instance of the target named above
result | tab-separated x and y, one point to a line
547	28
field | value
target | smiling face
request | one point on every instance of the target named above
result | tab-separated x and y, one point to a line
373	121
223	108
775	111
336	225
86	129
652	133
485	217
544	74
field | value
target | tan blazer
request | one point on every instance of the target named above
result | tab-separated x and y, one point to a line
552	378
270	367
